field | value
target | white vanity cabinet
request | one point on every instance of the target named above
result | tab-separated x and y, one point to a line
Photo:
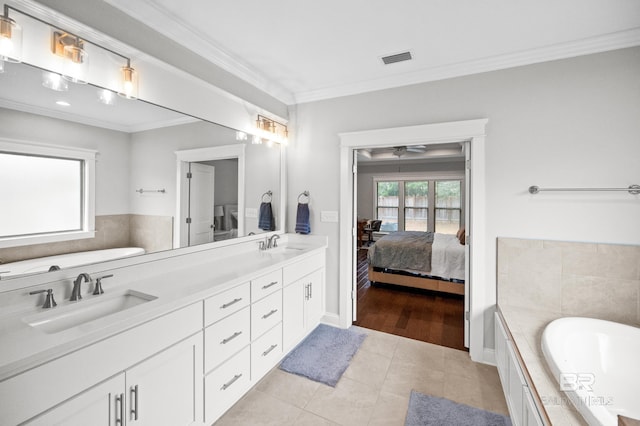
243	340
303	299
516	387
163	390
85	383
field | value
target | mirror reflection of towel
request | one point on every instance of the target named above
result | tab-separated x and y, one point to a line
266	222
302	219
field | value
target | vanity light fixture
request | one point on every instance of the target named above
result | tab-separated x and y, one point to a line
68	46
71	48
10	38
268	130
129	82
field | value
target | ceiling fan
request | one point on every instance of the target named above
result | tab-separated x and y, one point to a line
399	151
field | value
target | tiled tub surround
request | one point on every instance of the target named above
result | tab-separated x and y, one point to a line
539	281
152	233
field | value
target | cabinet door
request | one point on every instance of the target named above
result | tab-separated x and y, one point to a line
293	314
314	306
166	389
101	405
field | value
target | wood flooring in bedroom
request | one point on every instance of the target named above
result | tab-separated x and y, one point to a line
417	314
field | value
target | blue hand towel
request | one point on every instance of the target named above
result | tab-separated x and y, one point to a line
266	222
302	219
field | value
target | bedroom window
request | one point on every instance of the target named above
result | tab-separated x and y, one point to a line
388	205
416	206
433	205
448	206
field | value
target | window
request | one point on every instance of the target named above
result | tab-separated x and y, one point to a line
52	189
448	206
433	205
388	205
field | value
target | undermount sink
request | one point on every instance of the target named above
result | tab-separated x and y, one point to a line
90	309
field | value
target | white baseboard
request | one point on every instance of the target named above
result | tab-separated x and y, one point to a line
489	356
331	319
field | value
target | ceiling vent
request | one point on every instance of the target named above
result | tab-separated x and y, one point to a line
398	57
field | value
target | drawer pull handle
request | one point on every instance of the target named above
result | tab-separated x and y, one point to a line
230	338
271	284
265	353
120	409
233	302
273	311
134	406
230	382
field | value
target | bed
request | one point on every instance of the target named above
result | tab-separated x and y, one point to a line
423	260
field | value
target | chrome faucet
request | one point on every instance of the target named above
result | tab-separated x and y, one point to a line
273	241
49	301
263	245
75	293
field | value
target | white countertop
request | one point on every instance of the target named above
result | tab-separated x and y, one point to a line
173	283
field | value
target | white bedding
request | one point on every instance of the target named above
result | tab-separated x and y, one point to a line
447	257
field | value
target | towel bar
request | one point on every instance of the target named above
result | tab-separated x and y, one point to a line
632	189
142	191
269	194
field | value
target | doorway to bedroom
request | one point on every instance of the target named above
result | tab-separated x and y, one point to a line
415	191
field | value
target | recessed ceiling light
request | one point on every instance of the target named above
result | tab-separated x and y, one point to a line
63	103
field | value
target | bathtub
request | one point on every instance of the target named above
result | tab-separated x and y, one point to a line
42	264
596	364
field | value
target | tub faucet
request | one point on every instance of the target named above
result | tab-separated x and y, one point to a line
75	293
273	241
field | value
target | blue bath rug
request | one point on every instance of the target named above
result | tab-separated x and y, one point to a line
430	410
324	355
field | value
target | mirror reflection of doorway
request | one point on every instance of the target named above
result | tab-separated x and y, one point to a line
200	221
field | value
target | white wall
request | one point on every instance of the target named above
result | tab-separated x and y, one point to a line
573	122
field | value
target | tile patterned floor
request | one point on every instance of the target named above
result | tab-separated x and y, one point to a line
375	388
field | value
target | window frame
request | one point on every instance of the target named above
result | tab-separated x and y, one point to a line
88	183
412	177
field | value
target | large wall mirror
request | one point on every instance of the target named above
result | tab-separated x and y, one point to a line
143	195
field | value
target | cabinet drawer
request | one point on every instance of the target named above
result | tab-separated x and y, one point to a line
226	337
266	284
299	269
265	314
226	384
265	352
226	303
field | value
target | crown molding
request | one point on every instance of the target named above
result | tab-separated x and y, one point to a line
175	28
598	44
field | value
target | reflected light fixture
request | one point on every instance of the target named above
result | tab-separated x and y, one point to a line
129	89
268	130
54	81
10	38
71	47
106	97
